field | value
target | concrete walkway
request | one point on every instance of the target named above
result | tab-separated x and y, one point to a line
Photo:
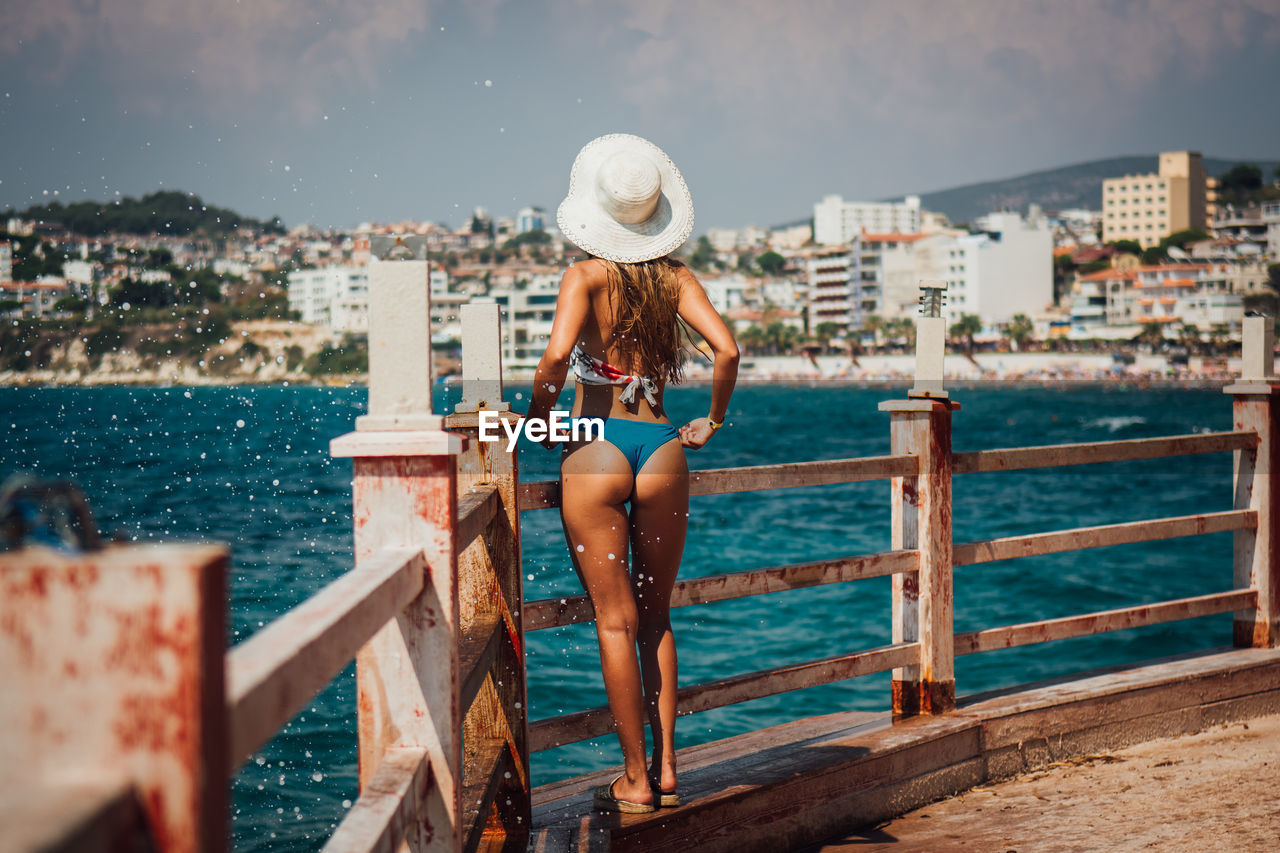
1214	790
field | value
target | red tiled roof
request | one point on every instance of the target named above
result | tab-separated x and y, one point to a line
892	237
1109	275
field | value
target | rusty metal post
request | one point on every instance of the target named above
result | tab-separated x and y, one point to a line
921	519
1256	407
490	581
405	496
112	698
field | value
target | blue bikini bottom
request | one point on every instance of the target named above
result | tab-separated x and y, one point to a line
636	439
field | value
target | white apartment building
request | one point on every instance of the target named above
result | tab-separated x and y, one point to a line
36	298
527	311
334	297
1006	268
833	274
530	219
836	221
790	237
6	261
446	317
1258	224
1201	295
337	297
730	291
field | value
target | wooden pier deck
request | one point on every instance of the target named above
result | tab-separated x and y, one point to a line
124	704
1211	790
813	780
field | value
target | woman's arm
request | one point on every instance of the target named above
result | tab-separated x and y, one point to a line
698	312
572	306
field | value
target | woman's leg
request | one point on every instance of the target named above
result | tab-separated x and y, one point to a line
595	482
659	521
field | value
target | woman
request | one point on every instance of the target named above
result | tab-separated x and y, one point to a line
617	324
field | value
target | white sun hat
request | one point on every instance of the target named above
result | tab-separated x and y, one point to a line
627	201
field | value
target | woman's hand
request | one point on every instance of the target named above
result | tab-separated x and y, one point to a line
696	433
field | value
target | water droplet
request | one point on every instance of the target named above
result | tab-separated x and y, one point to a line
581	549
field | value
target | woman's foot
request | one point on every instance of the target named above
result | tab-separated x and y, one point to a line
662	778
625	796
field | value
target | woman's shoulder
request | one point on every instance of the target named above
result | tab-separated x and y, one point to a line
590	272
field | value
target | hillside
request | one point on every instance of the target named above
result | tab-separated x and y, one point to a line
1055	189
160	212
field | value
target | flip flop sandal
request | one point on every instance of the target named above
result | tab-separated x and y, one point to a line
604	800
667	801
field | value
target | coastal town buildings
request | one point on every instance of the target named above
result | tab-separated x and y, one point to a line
1257	224
530	219
1119	301
32	298
336	297
836	221
527	310
1149	207
833	275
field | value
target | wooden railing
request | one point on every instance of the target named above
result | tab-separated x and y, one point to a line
901	655
118	671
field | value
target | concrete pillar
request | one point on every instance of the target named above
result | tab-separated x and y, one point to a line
1256	407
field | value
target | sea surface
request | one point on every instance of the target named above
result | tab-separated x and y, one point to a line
249	466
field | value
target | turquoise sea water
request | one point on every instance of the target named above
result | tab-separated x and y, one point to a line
250	467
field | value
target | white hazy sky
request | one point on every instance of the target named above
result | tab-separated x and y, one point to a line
341	111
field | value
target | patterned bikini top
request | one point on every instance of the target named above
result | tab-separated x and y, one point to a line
590	370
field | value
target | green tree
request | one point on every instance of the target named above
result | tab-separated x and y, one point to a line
1189	335
752	338
702	255
901	329
1128	247
771	263
1262	301
1242	177
158	259
1154	255
1019	330
1152	332
536	237
780	337
825	331
1182	238
965	328
874	324
71	303
1273	277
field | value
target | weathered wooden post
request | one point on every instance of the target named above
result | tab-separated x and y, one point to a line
405	496
112	716
1256	406
921	519
491	590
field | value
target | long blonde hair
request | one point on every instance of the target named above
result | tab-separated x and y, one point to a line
646	326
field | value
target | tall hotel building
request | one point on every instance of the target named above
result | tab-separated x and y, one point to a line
837	222
1146	208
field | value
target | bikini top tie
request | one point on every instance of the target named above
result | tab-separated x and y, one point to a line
590	370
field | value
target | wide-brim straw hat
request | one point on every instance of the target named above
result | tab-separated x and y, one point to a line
627	201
